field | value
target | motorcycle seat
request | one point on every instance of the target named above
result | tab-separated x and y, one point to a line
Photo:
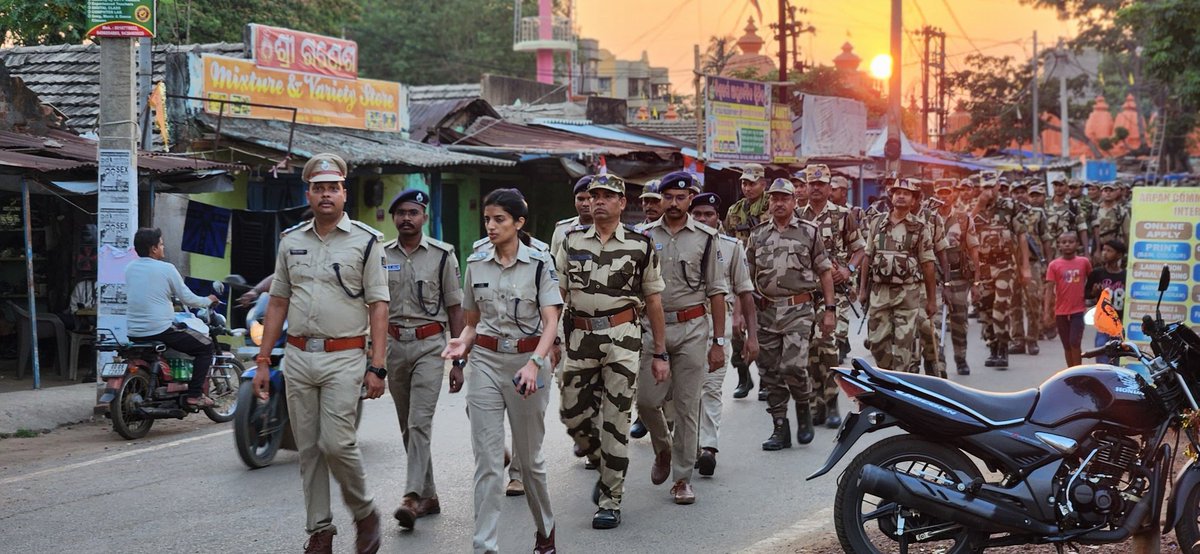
996	406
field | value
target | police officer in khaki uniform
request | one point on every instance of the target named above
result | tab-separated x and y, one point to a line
512	302
696	287
583	211
744	215
741	315
426	299
331	288
609	272
788	263
652	202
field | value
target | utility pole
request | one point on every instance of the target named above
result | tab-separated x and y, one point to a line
782	35
933	86
926	33
1062	100
893	130
699	102
1034	112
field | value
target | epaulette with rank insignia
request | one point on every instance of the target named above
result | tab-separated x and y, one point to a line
728	238
296	227
478	256
475	246
367	228
566	221
580	227
440	245
631	229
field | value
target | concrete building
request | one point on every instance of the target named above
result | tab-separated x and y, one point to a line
643	87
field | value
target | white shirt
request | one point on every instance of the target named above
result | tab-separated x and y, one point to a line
150	285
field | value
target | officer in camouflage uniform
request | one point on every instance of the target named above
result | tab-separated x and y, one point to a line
844	245
609	272
1003	259
961	258
1027	299
932	355
899	259
1112	220
743	215
787	263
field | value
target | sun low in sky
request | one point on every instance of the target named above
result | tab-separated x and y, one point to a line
667	29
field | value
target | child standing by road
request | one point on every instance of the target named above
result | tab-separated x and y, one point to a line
1110	276
1068	273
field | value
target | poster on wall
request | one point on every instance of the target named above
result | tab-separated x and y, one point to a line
1163	232
737	120
116	222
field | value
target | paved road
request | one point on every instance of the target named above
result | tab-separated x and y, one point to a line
183	489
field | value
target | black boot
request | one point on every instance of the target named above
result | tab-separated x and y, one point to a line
1002	357
762	392
843	349
820	412
745	383
963	368
781	436
638	429
991	359
804	423
834	420
1016	348
1032	348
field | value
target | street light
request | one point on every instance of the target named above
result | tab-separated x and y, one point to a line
881	67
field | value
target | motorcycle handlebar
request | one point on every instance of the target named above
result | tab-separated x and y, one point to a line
1094	352
1112	348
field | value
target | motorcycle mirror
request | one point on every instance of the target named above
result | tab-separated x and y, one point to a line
1089	317
1164	279
218	288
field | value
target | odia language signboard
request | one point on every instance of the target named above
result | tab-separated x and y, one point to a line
290	50
319	100
1163	232
737	120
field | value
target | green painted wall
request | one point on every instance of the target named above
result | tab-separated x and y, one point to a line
378	217
209	267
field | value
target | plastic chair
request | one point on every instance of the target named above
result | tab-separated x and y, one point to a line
48	326
78	340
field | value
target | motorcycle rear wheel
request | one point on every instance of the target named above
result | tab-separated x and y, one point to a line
122	410
224	380
255	448
1187	531
854	511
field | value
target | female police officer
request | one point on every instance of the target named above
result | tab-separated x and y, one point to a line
511	302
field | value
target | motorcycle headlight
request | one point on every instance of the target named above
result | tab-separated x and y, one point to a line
256	333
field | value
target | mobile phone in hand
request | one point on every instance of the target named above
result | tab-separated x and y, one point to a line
521	389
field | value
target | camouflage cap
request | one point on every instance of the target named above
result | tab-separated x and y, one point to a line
782	186
607	182
651	189
911	185
1075	183
839	182
1020	185
1108	186
324	168
752	172
944	184
816	173
1037	189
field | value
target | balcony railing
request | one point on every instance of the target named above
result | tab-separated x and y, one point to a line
528	35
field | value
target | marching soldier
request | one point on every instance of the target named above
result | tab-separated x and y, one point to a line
331	288
609	272
692	269
1027	299
787	264
1111	220
426	297
741	316
652	201
961	260
932	354
744	215
899	259
1003	263
844	245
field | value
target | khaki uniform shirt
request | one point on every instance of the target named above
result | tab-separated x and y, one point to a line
321	305
786	262
422	284
731	255
840	237
605	278
744	215
560	231
509	299
690	274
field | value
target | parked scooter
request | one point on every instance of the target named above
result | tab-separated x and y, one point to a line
147	381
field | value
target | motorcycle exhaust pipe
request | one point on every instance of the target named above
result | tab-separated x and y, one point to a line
949	504
161	413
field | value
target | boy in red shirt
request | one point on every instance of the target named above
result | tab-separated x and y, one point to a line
1069	273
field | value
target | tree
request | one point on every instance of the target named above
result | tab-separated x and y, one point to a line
716	57
27	22
419	42
197	22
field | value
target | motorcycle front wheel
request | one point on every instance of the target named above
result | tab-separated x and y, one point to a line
257	433
1187	531
869	524
123	408
224	380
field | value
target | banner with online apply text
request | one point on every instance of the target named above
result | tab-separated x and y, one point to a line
1163	231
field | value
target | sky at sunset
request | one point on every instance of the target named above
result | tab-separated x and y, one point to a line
667	29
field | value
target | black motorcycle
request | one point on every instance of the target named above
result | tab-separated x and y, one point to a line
1084	458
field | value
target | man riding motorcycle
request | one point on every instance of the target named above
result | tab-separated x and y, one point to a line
150	313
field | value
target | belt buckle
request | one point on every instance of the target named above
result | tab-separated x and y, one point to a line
314	345
671	317
599	323
407	334
507	346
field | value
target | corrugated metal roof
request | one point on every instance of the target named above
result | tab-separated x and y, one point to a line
616	132
427	116
356	147
445	92
681	129
487	131
62	151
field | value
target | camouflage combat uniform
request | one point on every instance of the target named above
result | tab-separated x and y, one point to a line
739	220
1111	223
960	273
894	257
932	353
599	377
999	229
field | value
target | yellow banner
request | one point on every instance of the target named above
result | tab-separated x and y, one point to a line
319	100
1163	232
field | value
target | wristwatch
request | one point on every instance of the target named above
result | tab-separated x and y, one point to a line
662	356
459	363
831	307
380	372
719	341
852	268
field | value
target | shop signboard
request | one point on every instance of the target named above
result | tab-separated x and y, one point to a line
276	48
737	120
120	18
783	147
319	100
1164	230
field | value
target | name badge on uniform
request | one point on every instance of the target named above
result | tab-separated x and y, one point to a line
297	252
480	285
579	257
392	267
658	246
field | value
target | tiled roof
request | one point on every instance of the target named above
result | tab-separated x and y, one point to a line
60	151
445	92
67	77
356	147
681	129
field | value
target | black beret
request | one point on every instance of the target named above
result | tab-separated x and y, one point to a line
678	180
706	199
582	184
415	196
